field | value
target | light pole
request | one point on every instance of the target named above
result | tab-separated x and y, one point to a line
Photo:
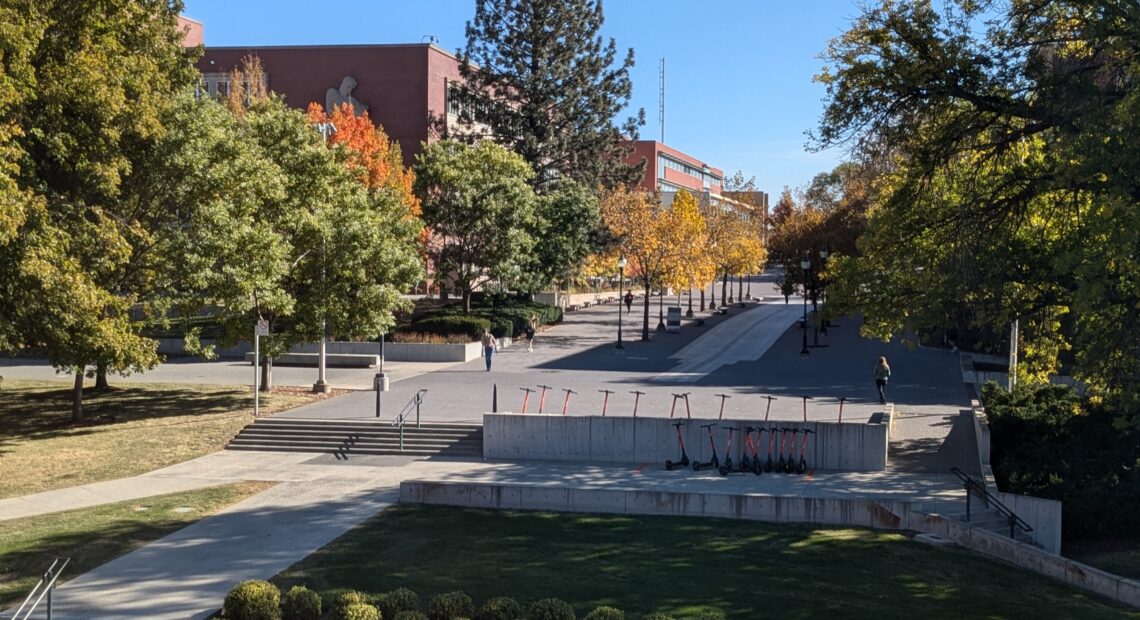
621	277
805	265
823	254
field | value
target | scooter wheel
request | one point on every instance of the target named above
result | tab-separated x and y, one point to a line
723	471
696	466
756	469
668	465
801	468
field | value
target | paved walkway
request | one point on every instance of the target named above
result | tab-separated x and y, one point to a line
186	575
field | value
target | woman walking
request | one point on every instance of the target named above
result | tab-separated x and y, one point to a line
531	328
490	345
882	373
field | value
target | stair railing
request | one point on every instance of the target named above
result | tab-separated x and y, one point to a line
44	587
402	417
989	499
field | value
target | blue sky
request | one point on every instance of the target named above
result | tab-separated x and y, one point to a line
738	86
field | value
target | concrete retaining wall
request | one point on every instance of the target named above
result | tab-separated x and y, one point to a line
1026	556
830	511
177	346
417	352
844	447
781	509
563	300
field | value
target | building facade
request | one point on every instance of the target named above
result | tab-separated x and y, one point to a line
406	89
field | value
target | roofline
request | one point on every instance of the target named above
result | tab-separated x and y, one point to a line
337	46
191	19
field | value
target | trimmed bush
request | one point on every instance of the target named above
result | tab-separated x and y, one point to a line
657	616
550	609
500	608
713	615
471	326
502	327
301	603
343	599
605	613
451	605
411	615
253	600
400	599
360	611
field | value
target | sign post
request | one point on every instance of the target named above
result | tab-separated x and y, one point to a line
262	329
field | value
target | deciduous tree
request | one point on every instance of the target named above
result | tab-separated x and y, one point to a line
479	205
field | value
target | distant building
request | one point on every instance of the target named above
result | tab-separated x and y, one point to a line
403	86
192	32
669	171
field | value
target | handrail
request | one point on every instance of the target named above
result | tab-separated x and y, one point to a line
50	576
991	500
401	418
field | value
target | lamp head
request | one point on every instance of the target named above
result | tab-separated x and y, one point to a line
621	262
823	253
805	263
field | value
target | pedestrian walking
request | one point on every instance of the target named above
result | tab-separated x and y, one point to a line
628	302
490	345
531	328
882	373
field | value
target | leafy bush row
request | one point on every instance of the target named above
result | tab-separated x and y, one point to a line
1047	442
261	600
504	321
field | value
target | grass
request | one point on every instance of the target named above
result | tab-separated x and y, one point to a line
93	536
1121	557
130	429
684	567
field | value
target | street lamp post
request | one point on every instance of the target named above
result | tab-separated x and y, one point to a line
805	264
823	254
621	277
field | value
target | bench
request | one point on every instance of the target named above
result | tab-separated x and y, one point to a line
332	360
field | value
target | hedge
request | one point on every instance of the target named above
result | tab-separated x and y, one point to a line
471	326
301	603
253	600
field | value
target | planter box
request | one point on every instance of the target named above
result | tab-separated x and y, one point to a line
421	352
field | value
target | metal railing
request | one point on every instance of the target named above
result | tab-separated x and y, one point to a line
402	417
989	499
43	588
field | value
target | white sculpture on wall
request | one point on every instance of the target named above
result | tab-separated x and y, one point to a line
336	97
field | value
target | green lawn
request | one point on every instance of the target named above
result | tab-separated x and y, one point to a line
92	536
683	567
131	429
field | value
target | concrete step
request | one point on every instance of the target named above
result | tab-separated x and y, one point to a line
365	437
450	451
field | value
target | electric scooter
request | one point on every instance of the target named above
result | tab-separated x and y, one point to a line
715	462
769	465
801	467
781	464
790	465
727	467
684	462
751	464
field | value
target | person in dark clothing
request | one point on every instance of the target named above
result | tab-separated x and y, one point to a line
628	302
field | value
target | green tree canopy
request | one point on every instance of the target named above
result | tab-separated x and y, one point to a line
549	89
479	205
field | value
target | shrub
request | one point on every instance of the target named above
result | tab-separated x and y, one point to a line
470	326
360	611
657	616
712	615
411	615
500	608
301	603
550	609
343	599
605	613
400	599
422	338
502	327
451	605
253	600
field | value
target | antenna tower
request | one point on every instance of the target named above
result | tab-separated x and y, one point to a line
661	102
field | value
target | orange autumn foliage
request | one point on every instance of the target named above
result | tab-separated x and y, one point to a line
373	156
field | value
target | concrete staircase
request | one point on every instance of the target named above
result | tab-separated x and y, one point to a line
360	438
991	520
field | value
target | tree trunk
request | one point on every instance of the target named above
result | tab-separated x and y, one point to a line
712	295
77	396
101	377
740	292
266	374
466	301
702	299
724	289
645	319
